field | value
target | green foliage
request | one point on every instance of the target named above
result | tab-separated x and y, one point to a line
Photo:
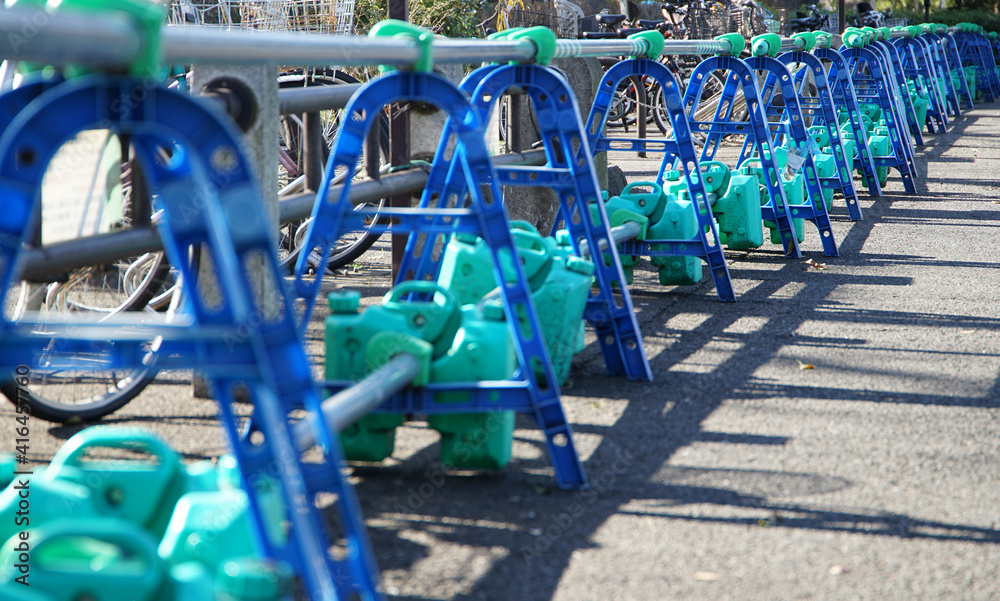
453	18
987	18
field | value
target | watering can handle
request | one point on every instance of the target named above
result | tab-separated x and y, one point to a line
76	448
135	542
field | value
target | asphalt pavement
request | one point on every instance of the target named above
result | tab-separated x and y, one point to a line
833	434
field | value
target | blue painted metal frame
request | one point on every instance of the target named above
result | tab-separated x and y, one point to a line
893	65
792	126
872	85
741	78
843	93
930	58
680	148
485	217
210	201
976	51
821	109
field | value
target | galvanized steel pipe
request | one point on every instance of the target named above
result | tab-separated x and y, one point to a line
619	233
111	41
43	264
350	404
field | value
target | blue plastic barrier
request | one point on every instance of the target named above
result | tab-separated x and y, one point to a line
484	216
679	149
242	342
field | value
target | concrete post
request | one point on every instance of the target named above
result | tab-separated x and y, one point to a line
540	206
260	144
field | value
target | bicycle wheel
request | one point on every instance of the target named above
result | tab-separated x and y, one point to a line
352	245
128	284
623	105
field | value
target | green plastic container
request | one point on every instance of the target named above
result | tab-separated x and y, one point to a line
920	97
878	145
111	559
559	281
103	559
457	344
677	221
142	492
635	203
213	527
794	192
735	200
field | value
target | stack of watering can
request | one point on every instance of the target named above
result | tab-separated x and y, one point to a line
667	213
149	530
792	180
878	136
457	327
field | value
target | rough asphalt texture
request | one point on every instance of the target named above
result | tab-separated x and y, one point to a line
737	474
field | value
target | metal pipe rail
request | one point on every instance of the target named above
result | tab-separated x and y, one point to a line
349	405
43	264
619	233
315	98
110	41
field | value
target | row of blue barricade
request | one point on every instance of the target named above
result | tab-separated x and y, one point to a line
871	103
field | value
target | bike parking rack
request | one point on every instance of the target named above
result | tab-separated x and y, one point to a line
821	108
937	44
678	149
740	78
210	202
484	217
893	66
976	51
250	346
843	94
949	48
873	85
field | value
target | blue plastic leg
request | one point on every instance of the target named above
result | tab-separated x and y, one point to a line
844	95
454	173
778	78
821	109
680	149
740	77
950	47
873	86
210	202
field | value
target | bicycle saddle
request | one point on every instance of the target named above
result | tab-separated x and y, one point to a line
649	24
610	20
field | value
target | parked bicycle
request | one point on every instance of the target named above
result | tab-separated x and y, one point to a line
867	16
814	21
